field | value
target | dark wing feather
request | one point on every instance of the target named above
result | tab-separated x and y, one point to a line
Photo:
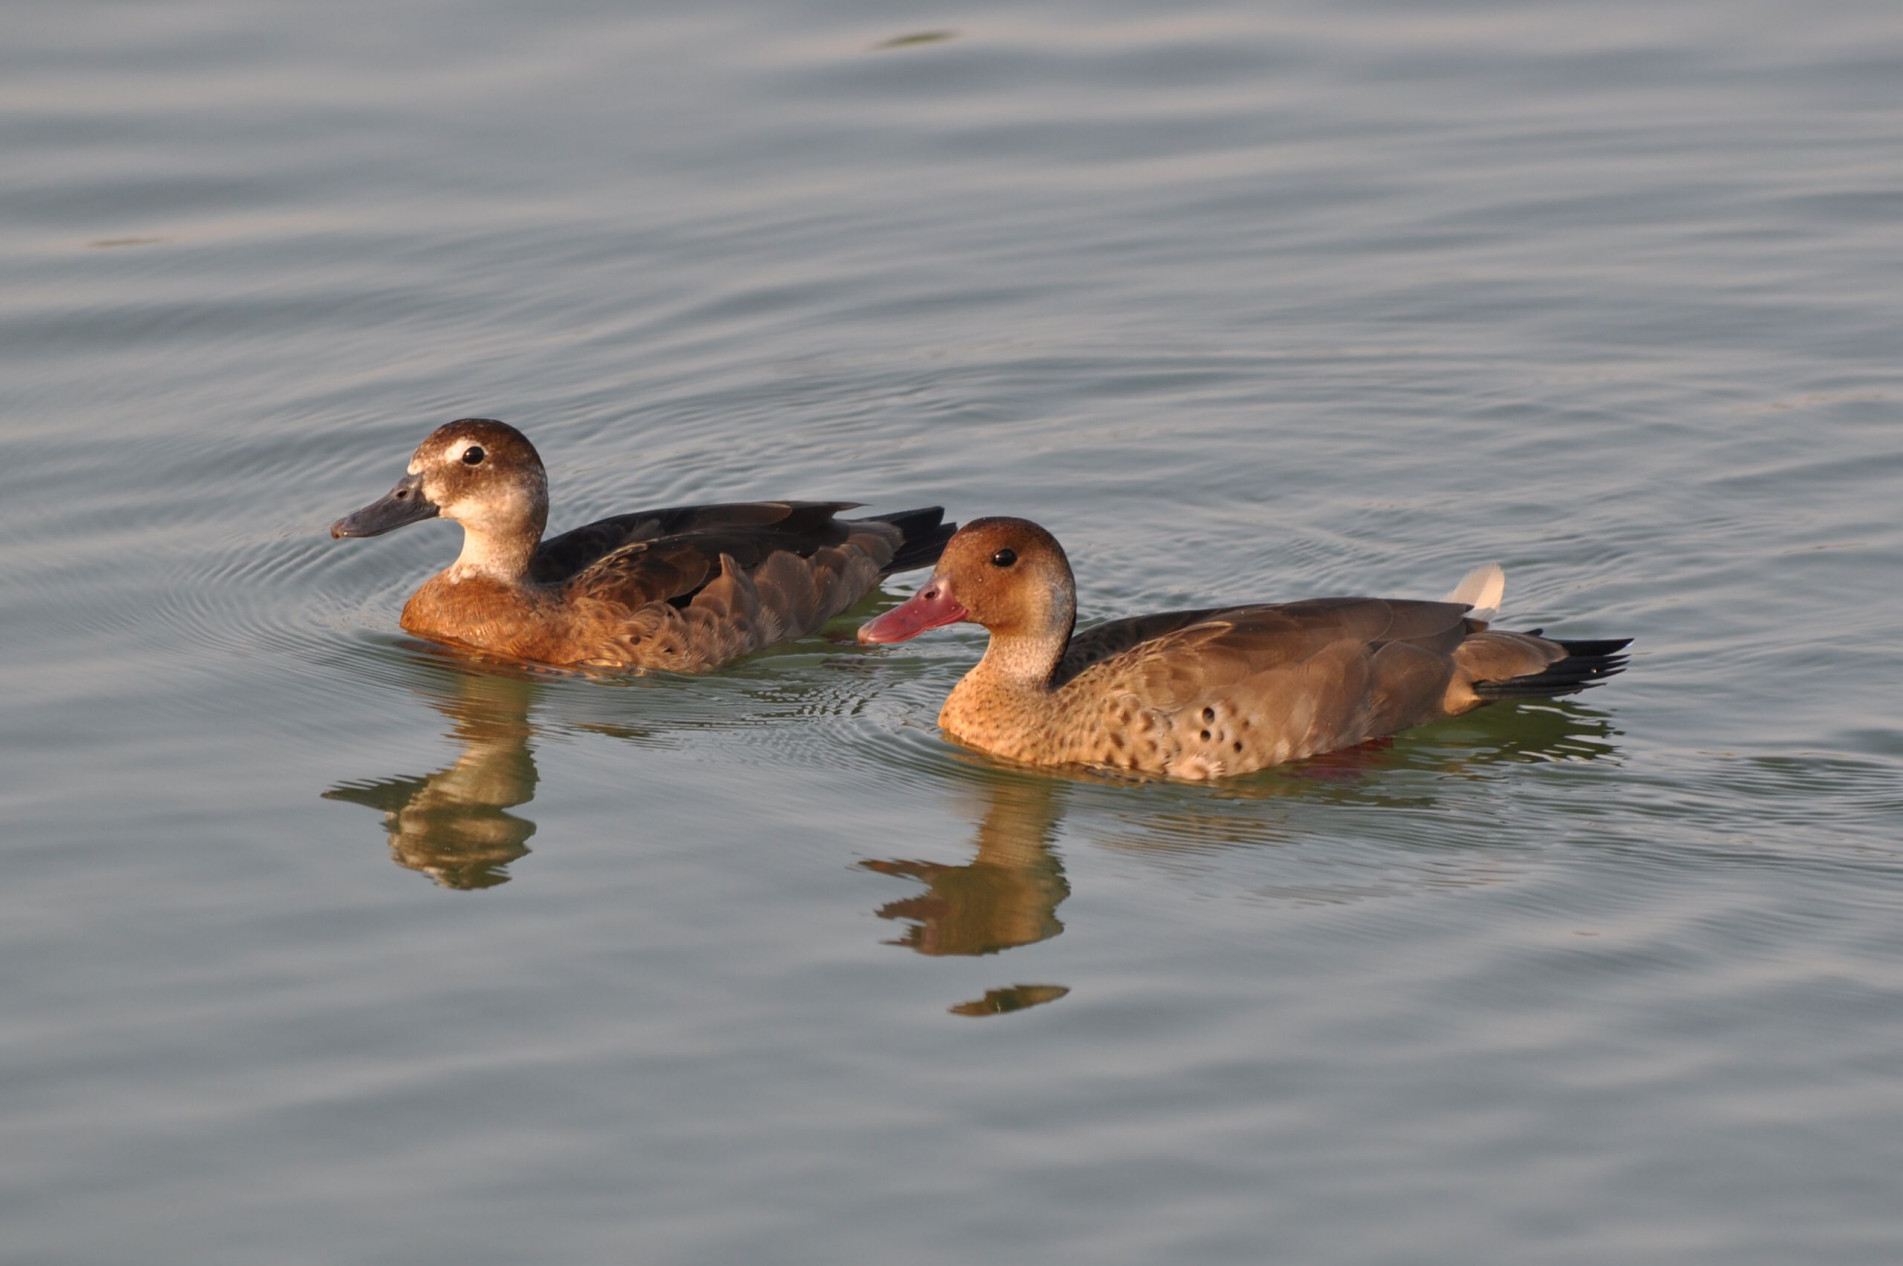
673	569
924	534
680	553
802	526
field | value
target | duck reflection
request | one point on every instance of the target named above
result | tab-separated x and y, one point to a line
1008	894
459	825
454	825
1005	896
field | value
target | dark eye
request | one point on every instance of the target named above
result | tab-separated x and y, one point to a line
1004	558
473	455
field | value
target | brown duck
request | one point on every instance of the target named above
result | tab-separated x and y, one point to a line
682	589
1227	690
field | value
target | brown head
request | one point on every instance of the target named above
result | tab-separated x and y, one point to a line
482	474
1008	575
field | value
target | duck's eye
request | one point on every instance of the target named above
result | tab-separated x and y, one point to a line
473	455
1004	558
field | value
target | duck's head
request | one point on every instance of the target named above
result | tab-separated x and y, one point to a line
479	472
1008	575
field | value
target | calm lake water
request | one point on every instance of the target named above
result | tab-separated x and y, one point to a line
321	946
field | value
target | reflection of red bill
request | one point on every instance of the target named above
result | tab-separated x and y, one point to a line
929	608
1345	764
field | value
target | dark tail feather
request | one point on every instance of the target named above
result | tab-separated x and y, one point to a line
925	537
1586	664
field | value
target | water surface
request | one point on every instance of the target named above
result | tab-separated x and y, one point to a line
323	946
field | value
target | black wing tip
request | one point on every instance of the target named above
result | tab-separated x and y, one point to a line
1591	647
1587	664
925	533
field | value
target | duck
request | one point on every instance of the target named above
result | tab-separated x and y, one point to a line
1216	692
683	589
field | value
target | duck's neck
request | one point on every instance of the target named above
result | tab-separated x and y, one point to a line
497	556
1006	705
1009	689
1022	656
499	539
1022	662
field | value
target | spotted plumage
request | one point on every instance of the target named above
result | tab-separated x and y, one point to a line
1215	692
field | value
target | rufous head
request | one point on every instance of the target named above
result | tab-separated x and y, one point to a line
1009	575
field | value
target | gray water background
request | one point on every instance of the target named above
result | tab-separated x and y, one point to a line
1243	301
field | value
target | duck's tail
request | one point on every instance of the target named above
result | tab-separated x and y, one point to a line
1586	663
1497	664
925	533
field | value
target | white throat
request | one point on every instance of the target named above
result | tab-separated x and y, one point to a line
483	555
499	535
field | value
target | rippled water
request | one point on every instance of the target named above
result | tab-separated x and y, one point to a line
324	946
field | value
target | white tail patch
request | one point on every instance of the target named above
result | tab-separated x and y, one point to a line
1482	588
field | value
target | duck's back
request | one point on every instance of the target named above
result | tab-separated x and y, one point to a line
683	589
748	530
1203	694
